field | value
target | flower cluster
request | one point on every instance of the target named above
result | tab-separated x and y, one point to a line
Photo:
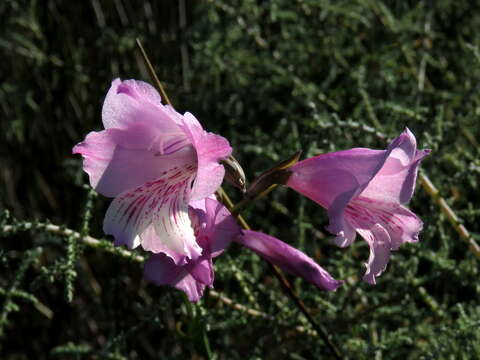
162	169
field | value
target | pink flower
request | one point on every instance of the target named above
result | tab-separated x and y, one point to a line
215	228
154	162
363	191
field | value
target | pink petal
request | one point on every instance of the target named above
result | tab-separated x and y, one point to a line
222	228
161	270
202	270
191	287
163	204
395	181
210	149
346	236
117	160
325	177
333	179
379	241
289	259
385	226
401	223
214	225
150	240
124	101
129	102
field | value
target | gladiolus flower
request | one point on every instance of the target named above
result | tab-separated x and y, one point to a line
364	191
153	161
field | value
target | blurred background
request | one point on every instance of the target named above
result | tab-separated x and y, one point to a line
272	77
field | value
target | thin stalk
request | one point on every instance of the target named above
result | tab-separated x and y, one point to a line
152	72
449	214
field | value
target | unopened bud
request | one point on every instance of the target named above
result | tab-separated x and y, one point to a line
234	173
268	180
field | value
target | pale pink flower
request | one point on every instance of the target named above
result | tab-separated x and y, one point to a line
363	191
153	161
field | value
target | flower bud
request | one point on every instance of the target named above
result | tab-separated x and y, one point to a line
234	174
277	175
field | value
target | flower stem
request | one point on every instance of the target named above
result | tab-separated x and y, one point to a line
448	212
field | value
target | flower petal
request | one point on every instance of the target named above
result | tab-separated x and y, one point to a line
117	160
163	204
161	270
214	225
191	287
346	236
289	259
149	239
125	100
202	270
222	228
333	179
385	226
395	181
401	224
210	149
379	241
325	177
128	102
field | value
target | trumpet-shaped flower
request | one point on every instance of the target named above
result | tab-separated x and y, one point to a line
154	162
364	191
214	229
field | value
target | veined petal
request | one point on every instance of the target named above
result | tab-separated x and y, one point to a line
325	177
163	204
161	270
385	226
401	224
210	149
117	160
333	179
289	259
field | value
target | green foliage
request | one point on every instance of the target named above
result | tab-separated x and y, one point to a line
273	77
